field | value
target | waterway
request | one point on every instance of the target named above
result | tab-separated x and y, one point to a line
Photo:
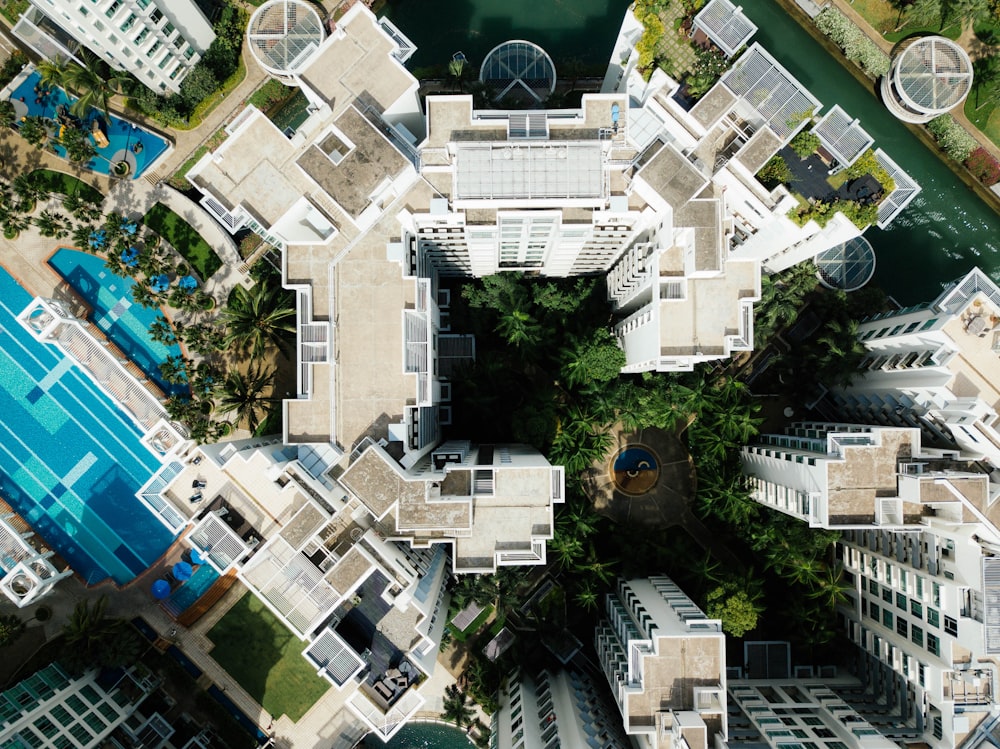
421	735
945	231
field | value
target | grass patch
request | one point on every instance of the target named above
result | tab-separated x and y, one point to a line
474	625
12	10
265	658
879	13
838	179
184	239
177	181
67	184
952	31
987	119
271	93
987	31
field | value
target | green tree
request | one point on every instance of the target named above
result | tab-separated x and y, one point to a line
34	130
90	638
162	331
598	358
93	82
923	13
175	370
456	70
247	395
52	224
587	597
965	12
775	172
8	117
738	607
259	319
11	628
985	76
805	143
79	147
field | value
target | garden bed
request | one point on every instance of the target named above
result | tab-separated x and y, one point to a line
67	184
182	236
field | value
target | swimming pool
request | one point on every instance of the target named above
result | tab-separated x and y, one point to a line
184	597
70	459
122	135
125	323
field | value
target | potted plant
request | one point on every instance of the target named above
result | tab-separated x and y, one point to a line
122	168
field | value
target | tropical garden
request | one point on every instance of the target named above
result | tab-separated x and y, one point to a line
554	334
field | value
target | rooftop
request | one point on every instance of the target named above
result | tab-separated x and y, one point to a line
933	74
725	25
283	33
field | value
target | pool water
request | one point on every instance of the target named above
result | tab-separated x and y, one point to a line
193	589
422	736
122	135
71	461
125	323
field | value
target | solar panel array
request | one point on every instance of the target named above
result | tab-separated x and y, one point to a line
843	137
762	83
728	28
282	32
934	73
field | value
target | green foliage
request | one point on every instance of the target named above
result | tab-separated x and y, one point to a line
457	708
598	359
781	299
79	147
11	628
647	13
805	144
951	137
868	164
821	212
853	41
738	611
775	172
92	639
182	236
709	66
66	184
35	130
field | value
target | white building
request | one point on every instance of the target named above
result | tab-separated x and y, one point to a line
26	572
930	75
50	709
780	712
930	366
562	708
157	41
918	549
666	664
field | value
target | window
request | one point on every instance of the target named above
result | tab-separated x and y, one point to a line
141	36
887	595
901	602
127	24
950	626
887	618
873	587
113	8
929	324
933	645
823	733
911	327
937	594
189	53
873	609
901	626
917	609
917	635
932	617
156	16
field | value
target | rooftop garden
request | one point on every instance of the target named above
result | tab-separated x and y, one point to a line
265	658
822	188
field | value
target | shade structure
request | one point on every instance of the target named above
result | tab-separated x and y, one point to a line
160	589
188	283
159	283
182	571
196	557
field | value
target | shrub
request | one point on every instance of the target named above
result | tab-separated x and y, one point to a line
12	66
775	171
805	143
952	137
868	164
982	164
820	212
856	45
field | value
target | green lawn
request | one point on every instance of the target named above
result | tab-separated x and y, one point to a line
184	239
986	119
67	184
265	658
474	625
952	32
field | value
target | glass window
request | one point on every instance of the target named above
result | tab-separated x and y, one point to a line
81	734
128	22
887	618
901	626
76	704
917	609
47	728
113	8
900	602
90	694
61	714
933	644
873	608
937	594
873	587
932	618
189	53
94	721
950	626
887	595
917	635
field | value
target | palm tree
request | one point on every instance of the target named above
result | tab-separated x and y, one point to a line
587	596
161	331
11	627
92	639
8	117
52	225
456	69
519	328
259	319
248	395
965	12
15	223
985	75
93	82
565	550
577	520
922	13
34	130
829	587
29	188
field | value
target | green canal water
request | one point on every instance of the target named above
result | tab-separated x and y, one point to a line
945	231
423	736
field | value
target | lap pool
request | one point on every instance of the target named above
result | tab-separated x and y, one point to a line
70	459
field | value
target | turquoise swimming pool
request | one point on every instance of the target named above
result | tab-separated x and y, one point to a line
71	461
193	589
126	141
125	323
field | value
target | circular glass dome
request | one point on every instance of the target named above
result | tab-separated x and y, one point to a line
848	266
283	34
933	74
635	470
520	71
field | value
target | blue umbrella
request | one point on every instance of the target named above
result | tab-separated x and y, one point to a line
160	589
182	571
159	283
196	557
130	256
188	283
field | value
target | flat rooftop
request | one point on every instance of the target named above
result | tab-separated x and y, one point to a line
867	472
498	171
672	176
